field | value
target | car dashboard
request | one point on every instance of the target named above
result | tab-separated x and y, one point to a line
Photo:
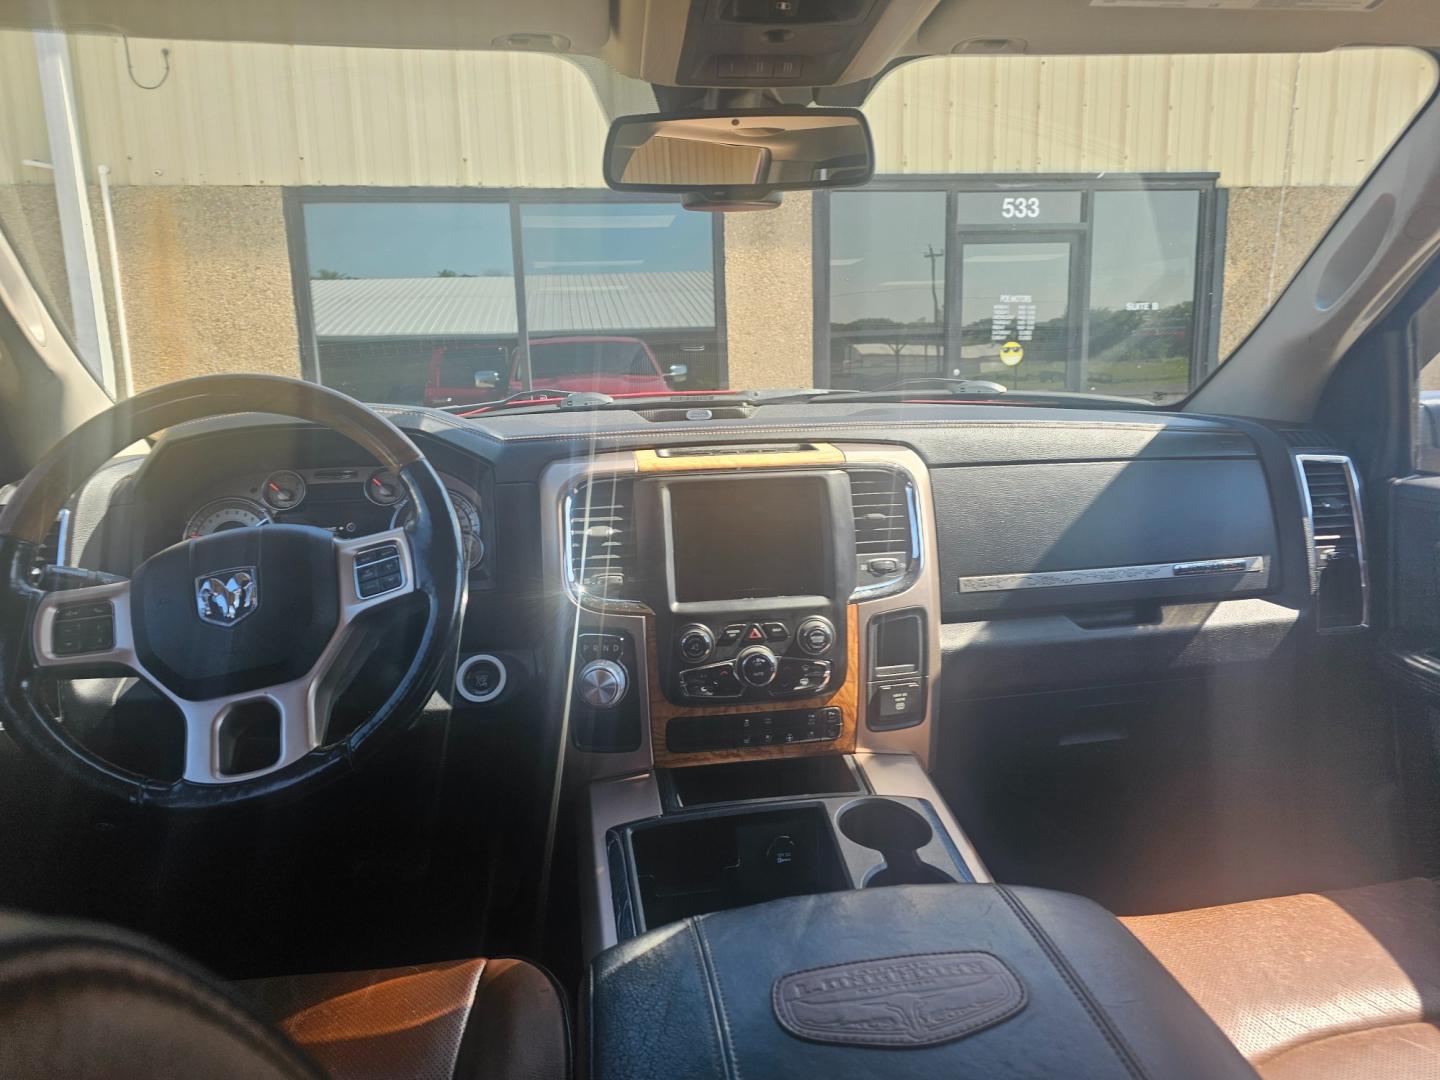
800	581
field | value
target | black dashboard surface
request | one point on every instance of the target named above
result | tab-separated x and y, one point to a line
1016	489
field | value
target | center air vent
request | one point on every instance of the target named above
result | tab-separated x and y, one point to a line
602	536
884	542
1337	541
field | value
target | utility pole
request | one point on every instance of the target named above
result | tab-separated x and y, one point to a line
932	255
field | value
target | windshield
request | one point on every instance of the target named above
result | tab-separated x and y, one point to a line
432	228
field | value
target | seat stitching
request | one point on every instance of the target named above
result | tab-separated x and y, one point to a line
732	1063
716	1024
1077	986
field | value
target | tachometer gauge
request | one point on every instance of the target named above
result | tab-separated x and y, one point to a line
469	515
283	490
467	512
223	515
383	487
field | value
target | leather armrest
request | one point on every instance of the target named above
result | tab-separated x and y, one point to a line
913	981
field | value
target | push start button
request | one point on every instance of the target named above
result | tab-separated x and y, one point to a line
481	678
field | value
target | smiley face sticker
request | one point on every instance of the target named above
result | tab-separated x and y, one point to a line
1011	353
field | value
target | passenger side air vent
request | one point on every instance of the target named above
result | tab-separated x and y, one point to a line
602	536
884	537
1335	531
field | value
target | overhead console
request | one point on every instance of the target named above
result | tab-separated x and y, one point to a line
776	43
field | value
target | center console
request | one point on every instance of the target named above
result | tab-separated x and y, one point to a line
750	641
748	578
745	603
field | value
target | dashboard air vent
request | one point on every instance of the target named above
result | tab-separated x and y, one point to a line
884	544
602	536
1337	541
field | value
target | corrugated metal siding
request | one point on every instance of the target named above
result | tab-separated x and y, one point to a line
1235	115
22	116
446	307
308	115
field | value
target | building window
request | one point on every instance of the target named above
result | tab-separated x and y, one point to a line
1082	284
887	287
626	287
1142	333
415	299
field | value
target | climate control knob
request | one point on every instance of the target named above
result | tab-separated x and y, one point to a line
696	643
602	684
815	635
756	665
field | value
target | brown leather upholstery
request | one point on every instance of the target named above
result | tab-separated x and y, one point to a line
470	1018
83	1001
80	1001
1328	986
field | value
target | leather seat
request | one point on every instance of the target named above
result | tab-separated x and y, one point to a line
1325	986
79	1000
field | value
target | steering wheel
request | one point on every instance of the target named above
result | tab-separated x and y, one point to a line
245	623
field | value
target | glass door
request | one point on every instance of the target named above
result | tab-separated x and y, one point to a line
1019	319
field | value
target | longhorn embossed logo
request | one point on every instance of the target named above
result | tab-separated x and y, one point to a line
897	1001
225	598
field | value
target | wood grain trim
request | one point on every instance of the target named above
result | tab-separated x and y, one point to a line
845	697
816	455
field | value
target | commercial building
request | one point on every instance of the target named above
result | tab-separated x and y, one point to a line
366	217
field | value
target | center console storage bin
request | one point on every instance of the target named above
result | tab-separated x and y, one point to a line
955	981
671	867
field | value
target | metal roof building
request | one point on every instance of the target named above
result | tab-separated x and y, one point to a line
370	308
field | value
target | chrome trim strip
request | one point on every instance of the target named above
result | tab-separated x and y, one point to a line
1352	481
1109	575
467	664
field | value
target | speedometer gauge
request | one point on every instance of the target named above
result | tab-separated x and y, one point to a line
223	515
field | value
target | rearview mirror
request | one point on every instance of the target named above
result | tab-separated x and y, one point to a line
486	380
740	152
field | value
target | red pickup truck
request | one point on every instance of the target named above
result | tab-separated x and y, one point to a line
475	374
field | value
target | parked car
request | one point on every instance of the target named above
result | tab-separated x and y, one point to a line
474	374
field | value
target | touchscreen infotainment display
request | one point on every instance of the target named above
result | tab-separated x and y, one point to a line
750	538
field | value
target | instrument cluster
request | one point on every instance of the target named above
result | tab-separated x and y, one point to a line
347	501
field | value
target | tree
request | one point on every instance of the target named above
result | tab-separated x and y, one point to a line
331	275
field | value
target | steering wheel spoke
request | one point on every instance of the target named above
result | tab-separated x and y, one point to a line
84	628
374	570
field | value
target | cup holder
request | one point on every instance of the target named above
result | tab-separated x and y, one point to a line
898	833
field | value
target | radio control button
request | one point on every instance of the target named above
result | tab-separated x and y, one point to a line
815	635
696	643
801	676
715	681
756	665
